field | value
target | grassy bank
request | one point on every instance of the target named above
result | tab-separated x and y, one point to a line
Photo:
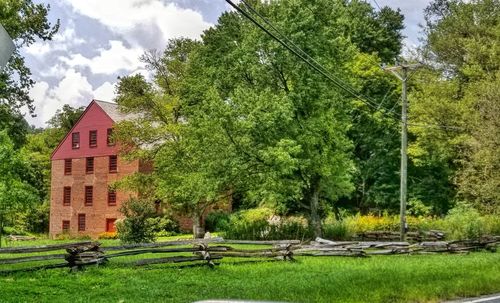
428	278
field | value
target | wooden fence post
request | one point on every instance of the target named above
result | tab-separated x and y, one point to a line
80	256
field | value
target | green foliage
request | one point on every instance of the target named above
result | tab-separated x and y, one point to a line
459	89
417	208
187	173
259	124
479	177
286	125
137	226
464	222
217	221
262	224
164	225
14	123
337	230
25	22
64	119
16	194
34	219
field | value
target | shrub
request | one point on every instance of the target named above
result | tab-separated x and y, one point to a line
136	228
14	230
256	214
66	236
417	208
260	224
336	230
107	235
359	224
492	224
464	222
163	225
217	221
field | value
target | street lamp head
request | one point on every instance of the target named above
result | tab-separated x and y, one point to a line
6	47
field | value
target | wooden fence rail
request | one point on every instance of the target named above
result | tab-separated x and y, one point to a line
163	244
41	248
206	251
31	259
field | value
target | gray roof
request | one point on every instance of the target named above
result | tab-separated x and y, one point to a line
114	112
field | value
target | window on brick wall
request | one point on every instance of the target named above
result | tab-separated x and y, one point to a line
81	222
67	166
111	197
65	226
93	138
89	165
110	139
67	196
75	140
113	164
89	195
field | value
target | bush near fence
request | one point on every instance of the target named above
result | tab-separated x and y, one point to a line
462	222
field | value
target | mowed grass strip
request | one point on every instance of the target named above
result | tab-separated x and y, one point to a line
425	278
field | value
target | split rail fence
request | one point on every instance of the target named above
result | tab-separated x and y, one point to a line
210	251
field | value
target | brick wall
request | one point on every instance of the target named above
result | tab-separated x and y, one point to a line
99	212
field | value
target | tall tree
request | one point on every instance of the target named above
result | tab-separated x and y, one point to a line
38	148
25	22
249	117
14	124
182	174
16	194
459	92
286	123
64	119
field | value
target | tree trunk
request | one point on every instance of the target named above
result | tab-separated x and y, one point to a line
1	229
315	220
198	229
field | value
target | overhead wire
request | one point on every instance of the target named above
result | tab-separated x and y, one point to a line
376	3
301	54
293	44
306	58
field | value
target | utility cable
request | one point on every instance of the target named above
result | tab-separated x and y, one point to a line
347	86
317	66
300	56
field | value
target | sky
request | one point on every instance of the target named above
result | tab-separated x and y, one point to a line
100	40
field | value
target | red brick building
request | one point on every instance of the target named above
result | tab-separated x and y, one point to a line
84	165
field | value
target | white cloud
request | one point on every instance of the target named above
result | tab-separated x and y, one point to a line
57	70
74	89
124	17
105	92
61	41
109	61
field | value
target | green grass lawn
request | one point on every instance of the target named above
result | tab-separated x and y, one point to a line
424	278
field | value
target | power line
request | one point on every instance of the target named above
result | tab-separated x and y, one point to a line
366	99
376	3
304	57
346	85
